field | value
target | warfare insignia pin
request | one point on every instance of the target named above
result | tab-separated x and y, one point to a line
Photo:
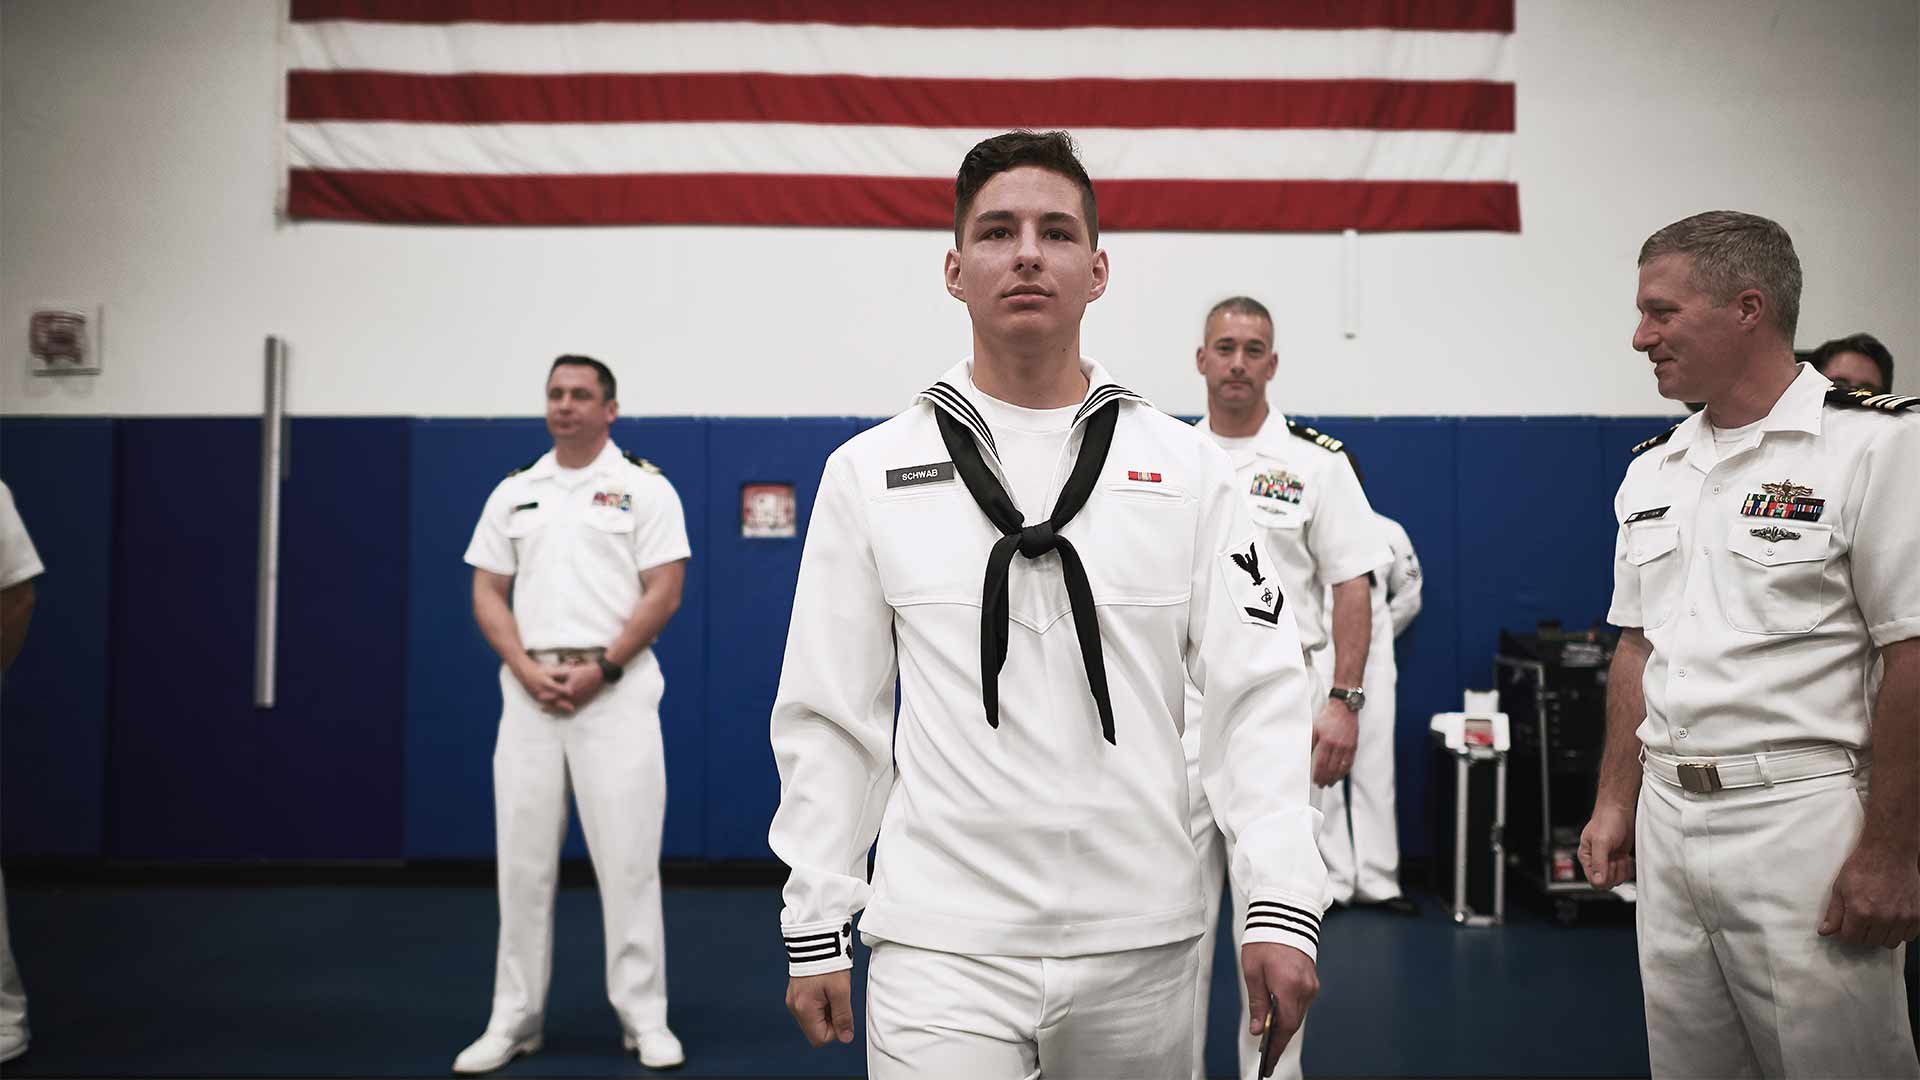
1786	489
1785	499
1278	484
1773	534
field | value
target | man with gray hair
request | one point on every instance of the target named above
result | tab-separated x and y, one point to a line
1762	573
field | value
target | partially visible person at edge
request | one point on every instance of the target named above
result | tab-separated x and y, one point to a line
1855	362
19	566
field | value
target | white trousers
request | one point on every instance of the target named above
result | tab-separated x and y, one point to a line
1738	982
13	995
1359	832
1107	1016
609	754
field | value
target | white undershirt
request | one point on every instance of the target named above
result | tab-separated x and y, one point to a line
1730	441
1029	442
1230	443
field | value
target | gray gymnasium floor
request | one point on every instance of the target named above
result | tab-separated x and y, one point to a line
392	980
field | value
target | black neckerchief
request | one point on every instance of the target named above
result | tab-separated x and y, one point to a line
1033	542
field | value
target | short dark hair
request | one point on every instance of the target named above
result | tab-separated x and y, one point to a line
1865	344
1050	150
607	385
1240	305
1733	252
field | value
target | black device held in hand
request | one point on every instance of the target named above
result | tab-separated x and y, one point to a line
1269	1052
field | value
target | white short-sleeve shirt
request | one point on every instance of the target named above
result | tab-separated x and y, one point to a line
575	544
1302	493
1768	574
18	560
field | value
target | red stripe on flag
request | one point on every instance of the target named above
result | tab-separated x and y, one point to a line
887	202
1481	15
848	99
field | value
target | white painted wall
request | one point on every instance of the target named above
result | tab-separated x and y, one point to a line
138	141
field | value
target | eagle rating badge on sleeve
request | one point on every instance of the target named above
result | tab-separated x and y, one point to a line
1251	585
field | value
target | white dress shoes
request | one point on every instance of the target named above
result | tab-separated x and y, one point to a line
490	1052
658	1048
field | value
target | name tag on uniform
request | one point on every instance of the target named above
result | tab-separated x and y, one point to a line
915	475
1648	515
534	505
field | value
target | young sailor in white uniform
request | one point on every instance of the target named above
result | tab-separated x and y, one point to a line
1035	904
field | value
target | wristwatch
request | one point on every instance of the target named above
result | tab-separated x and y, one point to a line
610	672
1355	698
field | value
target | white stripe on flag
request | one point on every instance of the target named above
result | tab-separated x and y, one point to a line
850	150
822	49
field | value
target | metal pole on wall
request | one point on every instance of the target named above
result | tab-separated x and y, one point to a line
272	470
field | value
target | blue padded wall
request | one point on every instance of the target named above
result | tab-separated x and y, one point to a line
453	692
129	729
1536	532
750	599
185	748
53	704
195	770
679	447
335	740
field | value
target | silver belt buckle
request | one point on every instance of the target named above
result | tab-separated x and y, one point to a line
1699	779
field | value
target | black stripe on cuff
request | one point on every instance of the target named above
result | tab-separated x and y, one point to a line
1274	907
1283	917
1267	924
826	945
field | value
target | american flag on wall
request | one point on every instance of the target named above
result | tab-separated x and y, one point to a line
1262	115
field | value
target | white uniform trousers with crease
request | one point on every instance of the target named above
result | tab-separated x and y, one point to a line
609	754
1105	1016
1738	981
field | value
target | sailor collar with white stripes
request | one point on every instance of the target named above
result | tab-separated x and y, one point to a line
946	396
969	440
